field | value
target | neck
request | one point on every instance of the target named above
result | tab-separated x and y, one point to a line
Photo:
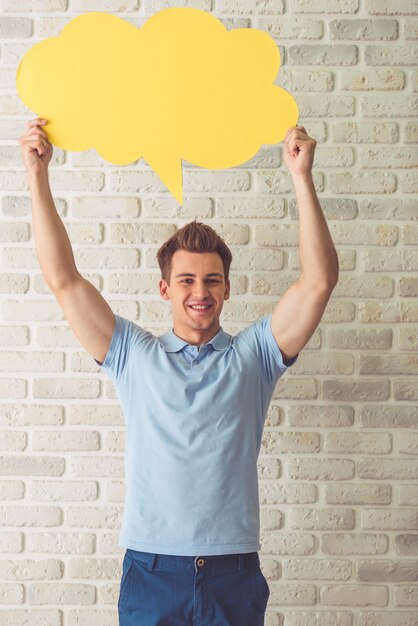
196	337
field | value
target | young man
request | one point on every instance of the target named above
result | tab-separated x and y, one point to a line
194	402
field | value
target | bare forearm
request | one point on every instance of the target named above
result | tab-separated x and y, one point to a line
318	257
53	246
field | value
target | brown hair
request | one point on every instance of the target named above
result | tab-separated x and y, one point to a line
193	237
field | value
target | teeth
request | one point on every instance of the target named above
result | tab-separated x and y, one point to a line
199	307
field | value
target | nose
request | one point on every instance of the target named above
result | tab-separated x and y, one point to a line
200	290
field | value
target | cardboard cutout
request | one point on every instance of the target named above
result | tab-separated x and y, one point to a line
180	87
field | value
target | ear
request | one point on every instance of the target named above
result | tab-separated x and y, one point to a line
164	289
227	290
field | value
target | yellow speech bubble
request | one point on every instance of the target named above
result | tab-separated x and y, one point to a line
180	87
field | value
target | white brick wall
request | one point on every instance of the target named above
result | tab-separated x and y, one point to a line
338	465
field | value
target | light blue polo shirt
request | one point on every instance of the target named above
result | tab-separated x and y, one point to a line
194	421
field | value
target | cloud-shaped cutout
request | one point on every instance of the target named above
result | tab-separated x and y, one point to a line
180	87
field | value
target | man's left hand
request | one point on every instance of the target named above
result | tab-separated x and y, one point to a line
298	151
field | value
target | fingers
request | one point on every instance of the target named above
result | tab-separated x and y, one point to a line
35	125
37	120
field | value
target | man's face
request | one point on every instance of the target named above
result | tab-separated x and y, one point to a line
197	291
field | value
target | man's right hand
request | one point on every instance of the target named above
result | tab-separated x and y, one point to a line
36	149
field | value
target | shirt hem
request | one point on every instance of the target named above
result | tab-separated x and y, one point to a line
193	550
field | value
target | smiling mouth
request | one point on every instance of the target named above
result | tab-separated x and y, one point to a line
200	307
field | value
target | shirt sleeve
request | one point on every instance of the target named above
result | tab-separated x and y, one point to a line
120	347
260	336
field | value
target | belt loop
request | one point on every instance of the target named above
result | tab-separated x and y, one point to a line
240	562
150	561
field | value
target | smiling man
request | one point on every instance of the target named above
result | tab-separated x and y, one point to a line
194	402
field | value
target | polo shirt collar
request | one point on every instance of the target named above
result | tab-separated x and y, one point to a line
172	343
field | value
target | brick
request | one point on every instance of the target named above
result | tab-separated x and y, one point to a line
358	391
317	6
410	234
106	5
25	6
406	595
14	283
362	182
366	132
293	595
307	80
388	365
410	28
408	443
271	492
93	568
15	27
389	105
287	543
357	443
56	491
20	516
294	27
405	390
123	233
65	441
389	417
277	443
321	519
323	54
408	182
66	388
166	208
387	208
364	30
380	234
13	388
271	519
249	6
105	207
20	361
61	593
387	158
385	570
36	617
373	80
354	543
13	414
357	493
96	465
406	544
331	106
391	7
244	207
325	416
358	595
384	519
13	441
317	569
388	618
360	339
91	517
378	312
392	468
314	618
270	283
320	469
393	261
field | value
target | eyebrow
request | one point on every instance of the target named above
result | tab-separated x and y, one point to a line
193	275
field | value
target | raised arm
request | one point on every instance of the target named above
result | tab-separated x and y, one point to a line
87	312
300	309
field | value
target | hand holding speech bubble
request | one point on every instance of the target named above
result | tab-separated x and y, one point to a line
180	87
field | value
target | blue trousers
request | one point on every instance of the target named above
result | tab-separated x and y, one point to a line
169	590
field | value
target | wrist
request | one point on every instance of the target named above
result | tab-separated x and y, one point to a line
37	174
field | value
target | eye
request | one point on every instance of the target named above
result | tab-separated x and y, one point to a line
187	280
